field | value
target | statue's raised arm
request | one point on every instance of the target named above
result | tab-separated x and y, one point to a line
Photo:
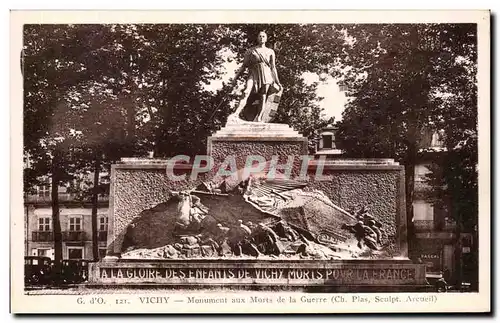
263	88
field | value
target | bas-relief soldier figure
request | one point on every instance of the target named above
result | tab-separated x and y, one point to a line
285	230
206	216
367	230
240	240
267	240
362	233
221	237
190	212
262	80
248	243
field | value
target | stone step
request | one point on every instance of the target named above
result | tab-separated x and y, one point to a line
257	130
357	161
258	125
257	135
247	129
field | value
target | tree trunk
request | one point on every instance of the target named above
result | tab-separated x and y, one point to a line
409	192
159	133
56	161
131	133
128	103
26	227
475	275
130	121
95	200
458	246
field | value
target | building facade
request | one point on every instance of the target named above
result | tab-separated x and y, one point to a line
435	230
327	143
76	224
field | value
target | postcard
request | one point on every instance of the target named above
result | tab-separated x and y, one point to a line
250	161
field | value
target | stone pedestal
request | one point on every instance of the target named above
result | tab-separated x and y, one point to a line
141	189
262	139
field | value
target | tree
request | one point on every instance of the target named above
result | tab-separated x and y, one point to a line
58	63
455	177
95	93
54	158
47	74
97	124
401	80
181	60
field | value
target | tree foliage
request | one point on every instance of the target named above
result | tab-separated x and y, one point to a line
96	93
129	89
406	80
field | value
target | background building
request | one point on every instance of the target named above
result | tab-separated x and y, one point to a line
438	243
76	224
327	143
435	229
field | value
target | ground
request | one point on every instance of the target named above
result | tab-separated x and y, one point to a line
83	290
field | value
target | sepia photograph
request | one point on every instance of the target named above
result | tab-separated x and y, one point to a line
235	162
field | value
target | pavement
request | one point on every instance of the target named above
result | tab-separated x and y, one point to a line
85	290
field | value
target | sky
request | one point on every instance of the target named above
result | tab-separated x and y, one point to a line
333	101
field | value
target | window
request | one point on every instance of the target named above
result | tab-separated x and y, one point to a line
421	172
102	253
44	252
75	224
423	211
104	178
75	253
103	223
43	190
438	139
327	141
44	224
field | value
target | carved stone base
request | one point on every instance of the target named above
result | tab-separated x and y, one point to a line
262	139
354	275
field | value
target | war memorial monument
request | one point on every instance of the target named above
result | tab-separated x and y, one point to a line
256	212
